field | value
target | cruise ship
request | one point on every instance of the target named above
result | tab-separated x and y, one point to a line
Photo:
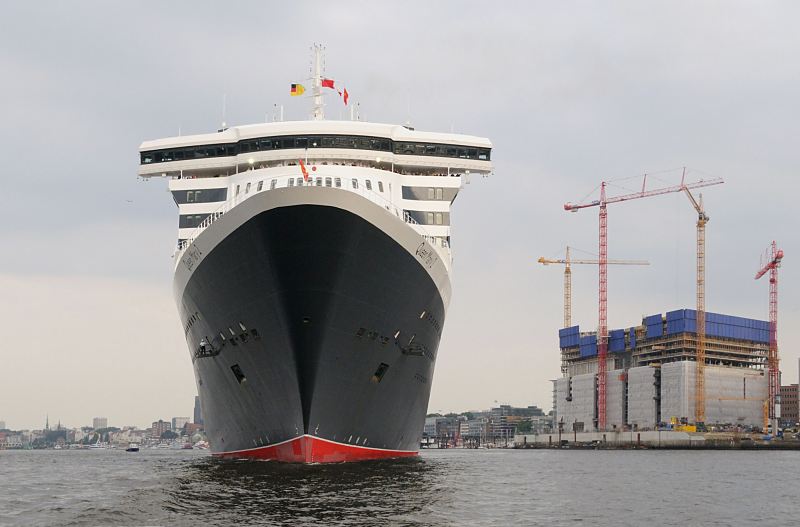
312	278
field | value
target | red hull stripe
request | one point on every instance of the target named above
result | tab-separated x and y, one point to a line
310	449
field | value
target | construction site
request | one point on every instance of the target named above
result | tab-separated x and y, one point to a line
686	371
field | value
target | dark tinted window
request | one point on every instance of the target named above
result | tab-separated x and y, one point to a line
204	195
313	141
190	221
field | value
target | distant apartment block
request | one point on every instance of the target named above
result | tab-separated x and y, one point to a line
790	407
100	422
159	427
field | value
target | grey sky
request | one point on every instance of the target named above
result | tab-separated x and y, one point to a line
570	93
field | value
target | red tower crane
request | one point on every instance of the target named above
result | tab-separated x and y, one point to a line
771	261
602	329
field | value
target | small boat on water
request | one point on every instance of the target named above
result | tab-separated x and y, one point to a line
133	447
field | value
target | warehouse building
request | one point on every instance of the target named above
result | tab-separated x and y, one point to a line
651	373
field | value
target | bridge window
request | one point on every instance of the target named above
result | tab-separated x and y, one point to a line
260	186
313	141
272	184
380	186
337	182
355	183
291	181
328	182
247	188
368	184
438	193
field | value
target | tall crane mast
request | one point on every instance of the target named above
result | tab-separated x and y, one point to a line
602	330
567	262
700	358
771	262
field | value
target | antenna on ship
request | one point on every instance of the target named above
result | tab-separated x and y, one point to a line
224	105
317	113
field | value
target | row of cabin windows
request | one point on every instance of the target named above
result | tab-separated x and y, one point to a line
319	181
314	141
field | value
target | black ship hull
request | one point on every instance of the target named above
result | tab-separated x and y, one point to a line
313	331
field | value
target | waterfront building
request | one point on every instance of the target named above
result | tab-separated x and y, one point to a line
790	406
192	428
651	370
178	423
159	427
100	422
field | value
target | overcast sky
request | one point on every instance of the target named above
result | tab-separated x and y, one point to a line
570	93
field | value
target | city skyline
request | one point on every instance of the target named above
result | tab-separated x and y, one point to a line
566	101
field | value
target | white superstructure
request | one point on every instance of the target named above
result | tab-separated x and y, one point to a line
414	175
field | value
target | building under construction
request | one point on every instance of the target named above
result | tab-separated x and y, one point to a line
651	373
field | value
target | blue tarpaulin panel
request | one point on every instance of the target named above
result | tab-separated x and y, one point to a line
572	330
652	320
717	325
568	337
616	340
655	330
632	334
588	346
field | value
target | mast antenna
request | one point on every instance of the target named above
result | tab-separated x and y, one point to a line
224	110
317	112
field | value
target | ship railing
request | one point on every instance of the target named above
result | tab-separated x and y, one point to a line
362	191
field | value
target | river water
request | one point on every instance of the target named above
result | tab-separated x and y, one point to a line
440	488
